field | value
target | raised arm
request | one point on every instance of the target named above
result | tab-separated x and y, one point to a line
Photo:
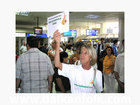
57	62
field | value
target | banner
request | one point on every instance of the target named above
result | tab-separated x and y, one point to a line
59	21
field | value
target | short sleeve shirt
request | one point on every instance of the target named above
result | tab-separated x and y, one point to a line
119	66
82	80
33	68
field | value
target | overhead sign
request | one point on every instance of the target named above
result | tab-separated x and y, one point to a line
109	30
92	32
59	21
70	33
36	35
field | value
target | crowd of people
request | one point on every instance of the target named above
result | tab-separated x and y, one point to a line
82	67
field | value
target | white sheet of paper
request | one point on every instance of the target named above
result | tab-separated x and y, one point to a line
59	21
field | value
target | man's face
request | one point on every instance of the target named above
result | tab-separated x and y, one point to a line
117	43
95	47
46	46
53	45
65	60
102	41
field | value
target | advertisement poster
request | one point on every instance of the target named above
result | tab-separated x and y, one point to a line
60	22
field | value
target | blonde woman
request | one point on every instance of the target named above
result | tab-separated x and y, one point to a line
83	78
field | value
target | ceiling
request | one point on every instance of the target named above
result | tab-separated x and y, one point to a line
26	23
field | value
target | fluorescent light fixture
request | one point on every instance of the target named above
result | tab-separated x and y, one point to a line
20	34
22	13
92	16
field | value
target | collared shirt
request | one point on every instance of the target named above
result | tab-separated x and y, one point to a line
100	48
33	68
119	66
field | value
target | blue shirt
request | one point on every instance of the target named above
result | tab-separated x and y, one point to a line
115	50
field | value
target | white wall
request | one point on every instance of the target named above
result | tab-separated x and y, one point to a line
82	26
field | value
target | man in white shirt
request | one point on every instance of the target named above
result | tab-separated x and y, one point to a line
23	48
119	72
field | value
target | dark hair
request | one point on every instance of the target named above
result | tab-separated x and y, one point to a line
69	47
102	39
63	55
78	45
40	40
115	41
112	52
32	41
46	44
94	44
123	41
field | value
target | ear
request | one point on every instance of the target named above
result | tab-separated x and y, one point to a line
90	58
39	44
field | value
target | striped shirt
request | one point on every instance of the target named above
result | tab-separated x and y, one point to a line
33	68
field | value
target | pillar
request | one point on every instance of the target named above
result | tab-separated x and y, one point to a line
121	30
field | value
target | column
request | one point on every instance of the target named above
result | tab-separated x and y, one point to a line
121	29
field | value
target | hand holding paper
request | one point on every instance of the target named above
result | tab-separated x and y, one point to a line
57	36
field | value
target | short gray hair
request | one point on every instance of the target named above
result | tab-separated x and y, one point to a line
92	53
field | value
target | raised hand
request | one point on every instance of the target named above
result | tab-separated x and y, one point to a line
57	36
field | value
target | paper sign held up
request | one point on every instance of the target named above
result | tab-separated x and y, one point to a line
59	21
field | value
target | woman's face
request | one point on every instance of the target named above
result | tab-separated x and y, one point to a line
108	51
84	56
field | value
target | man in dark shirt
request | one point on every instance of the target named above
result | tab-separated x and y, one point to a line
101	58
41	47
100	48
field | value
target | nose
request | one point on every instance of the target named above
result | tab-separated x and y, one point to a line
82	54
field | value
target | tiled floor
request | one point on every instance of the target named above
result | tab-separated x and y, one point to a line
116	87
53	91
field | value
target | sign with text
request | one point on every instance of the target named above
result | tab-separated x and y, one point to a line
92	32
70	33
59	21
36	35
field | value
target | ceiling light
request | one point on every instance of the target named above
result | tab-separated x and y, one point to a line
22	13
92	16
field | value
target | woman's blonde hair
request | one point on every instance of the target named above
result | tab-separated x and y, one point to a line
92	53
